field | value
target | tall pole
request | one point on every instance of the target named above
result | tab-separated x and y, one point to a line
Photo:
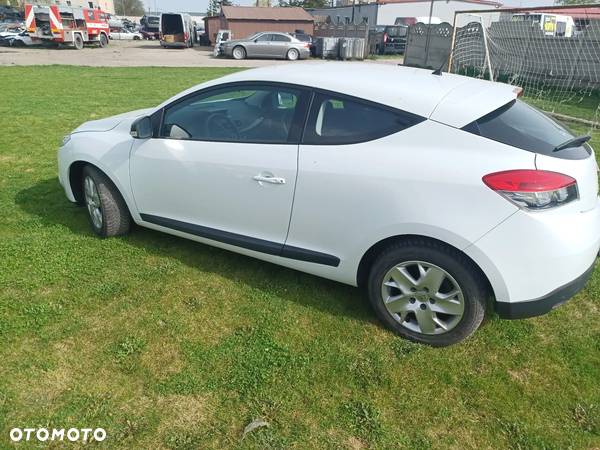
428	33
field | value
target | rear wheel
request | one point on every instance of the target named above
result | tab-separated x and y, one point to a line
78	42
103	40
293	54
427	292
239	52
107	211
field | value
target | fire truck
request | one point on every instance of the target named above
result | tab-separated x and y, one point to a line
67	25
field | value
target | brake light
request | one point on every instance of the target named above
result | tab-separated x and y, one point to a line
186	36
385	37
533	189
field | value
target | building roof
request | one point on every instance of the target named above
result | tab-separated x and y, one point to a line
576	13
453	99
490	3
265	13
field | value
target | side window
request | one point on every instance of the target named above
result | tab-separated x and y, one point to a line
90	15
337	121
280	38
264	37
251	114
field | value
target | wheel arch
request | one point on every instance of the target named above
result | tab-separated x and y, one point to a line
76	182
376	249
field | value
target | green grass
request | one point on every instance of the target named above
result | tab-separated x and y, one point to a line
171	344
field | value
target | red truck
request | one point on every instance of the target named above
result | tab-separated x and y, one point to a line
67	25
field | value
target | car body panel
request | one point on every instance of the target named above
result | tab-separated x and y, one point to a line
342	199
257	47
211	184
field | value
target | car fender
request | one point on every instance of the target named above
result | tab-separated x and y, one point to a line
444	235
109	152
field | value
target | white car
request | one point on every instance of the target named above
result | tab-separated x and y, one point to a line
446	197
22	40
124	34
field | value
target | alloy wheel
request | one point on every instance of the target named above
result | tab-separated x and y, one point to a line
92	201
423	297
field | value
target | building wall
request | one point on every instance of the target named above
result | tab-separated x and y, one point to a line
105	5
386	14
343	14
444	10
245	28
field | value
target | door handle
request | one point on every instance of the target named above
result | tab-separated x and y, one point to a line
271	180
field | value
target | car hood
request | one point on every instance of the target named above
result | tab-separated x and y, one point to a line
111	122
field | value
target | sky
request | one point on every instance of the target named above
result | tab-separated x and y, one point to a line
201	5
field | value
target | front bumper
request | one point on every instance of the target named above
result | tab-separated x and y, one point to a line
543	305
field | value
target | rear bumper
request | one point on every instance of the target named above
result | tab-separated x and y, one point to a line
532	308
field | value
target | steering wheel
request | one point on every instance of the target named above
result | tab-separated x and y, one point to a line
219	126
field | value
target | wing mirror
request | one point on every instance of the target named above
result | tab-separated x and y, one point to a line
142	128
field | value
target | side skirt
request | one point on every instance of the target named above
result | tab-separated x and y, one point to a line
240	240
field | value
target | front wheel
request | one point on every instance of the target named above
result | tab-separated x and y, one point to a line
293	54
78	42
427	292
239	53
103	41
107	211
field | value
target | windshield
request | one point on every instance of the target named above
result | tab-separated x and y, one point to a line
523	126
396	31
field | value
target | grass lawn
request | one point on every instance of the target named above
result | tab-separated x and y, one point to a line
168	343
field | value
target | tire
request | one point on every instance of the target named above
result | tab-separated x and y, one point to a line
136	38
292	54
239	52
103	41
113	218
78	42
423	320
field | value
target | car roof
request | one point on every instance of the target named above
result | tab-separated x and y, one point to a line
451	99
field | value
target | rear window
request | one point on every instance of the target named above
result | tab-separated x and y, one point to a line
339	120
523	126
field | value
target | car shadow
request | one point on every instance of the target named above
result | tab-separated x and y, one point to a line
47	202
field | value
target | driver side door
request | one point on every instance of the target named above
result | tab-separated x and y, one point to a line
223	164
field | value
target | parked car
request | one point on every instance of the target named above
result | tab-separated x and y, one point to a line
394	40
149	27
22	40
304	37
446	197
267	45
176	30
123	34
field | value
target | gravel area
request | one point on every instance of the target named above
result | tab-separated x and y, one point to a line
133	54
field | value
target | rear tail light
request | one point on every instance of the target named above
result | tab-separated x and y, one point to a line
533	189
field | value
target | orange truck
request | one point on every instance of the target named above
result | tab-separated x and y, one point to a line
67	25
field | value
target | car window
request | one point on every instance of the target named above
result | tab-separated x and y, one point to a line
264	37
259	114
338	120
523	126
280	38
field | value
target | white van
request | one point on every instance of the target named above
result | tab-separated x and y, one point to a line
176	30
550	24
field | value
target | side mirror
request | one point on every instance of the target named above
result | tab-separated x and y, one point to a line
142	128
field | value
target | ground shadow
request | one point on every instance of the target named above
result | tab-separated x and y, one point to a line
46	201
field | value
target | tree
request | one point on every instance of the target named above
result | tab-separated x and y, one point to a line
214	6
129	8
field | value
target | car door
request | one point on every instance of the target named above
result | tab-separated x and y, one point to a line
223	165
279	46
260	47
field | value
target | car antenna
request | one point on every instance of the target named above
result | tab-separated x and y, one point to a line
438	71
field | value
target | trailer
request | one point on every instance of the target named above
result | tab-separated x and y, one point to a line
67	25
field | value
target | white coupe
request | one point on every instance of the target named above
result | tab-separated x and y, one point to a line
446	197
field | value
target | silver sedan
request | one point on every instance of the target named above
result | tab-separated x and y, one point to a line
267	45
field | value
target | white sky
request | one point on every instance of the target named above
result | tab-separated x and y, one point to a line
201	5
